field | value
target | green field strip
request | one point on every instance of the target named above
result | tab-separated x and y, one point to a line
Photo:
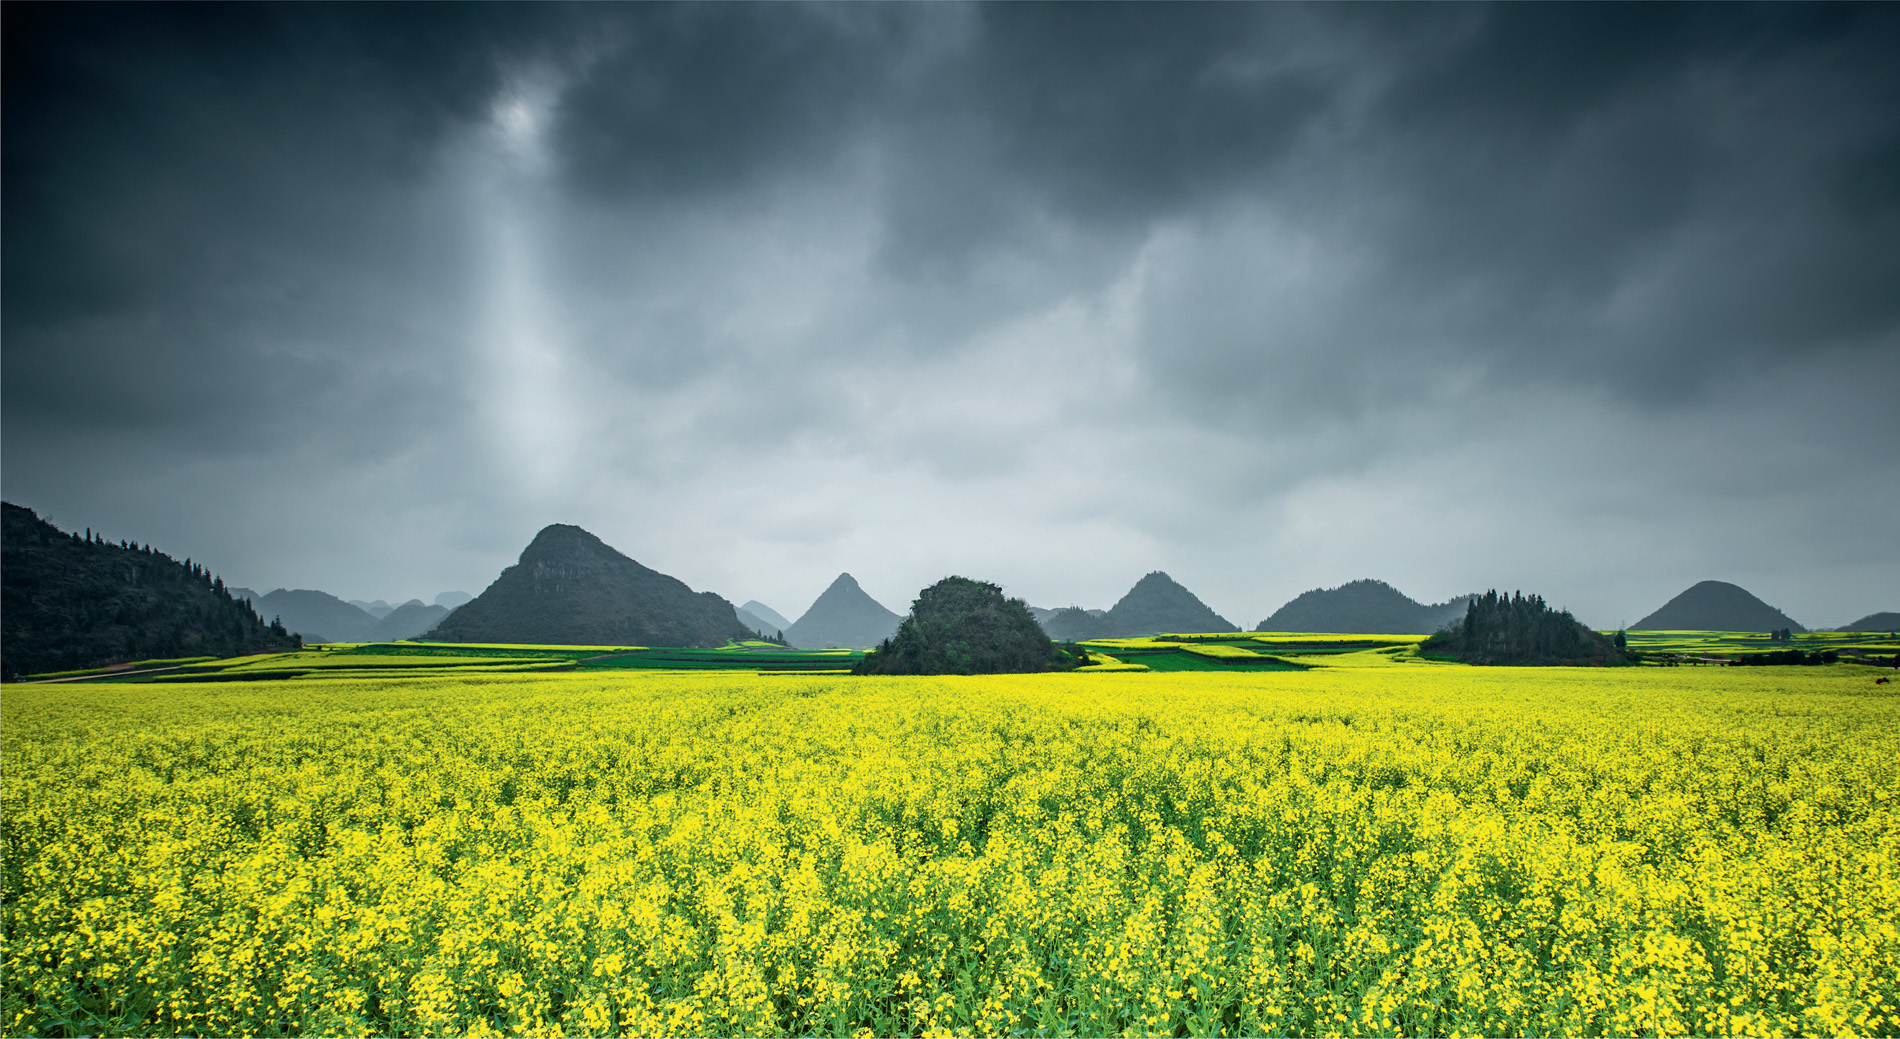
327	661
137	665
1184	661
506	646
385	650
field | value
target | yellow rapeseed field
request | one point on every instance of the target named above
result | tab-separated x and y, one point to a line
1431	850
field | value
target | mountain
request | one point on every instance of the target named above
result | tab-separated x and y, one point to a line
767	614
241	594
1073	624
407	621
317	616
68	603
1157	605
452	599
963	627
843	618
1884	621
570	588
1363	607
756	622
1715	606
378	609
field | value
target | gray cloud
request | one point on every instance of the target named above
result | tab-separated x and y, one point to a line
1269	296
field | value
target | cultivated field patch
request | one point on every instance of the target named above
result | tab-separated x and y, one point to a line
1410	849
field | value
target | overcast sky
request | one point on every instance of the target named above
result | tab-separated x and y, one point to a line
1590	301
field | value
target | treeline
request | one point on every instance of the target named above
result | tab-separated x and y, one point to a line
1519	629
1785	656
72	602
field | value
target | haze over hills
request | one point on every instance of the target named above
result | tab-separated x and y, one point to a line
409	620
317	616
68	603
569	587
844	617
757	623
322	617
1042	614
1716	606
1158	605
1363	607
1072	623
451	600
767	614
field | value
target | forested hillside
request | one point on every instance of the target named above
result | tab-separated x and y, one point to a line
75	602
963	627
1364	606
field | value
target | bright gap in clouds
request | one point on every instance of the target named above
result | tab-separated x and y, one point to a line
522	342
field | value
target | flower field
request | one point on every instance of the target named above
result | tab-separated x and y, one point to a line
1337	851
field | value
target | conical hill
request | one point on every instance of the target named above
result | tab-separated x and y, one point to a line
571	588
1158	605
1716	606
844	617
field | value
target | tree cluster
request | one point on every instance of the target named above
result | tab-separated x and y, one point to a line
1521	629
1785	656
963	627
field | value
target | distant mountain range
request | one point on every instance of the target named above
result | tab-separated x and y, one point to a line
569	587
68	603
1716	606
1363	607
765	615
409	620
317	616
844	617
1156	605
322	617
756	622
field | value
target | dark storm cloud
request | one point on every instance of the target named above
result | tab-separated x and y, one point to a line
141	138
1550	151
1621	194
1109	117
697	100
1058	244
204	205
1641	198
